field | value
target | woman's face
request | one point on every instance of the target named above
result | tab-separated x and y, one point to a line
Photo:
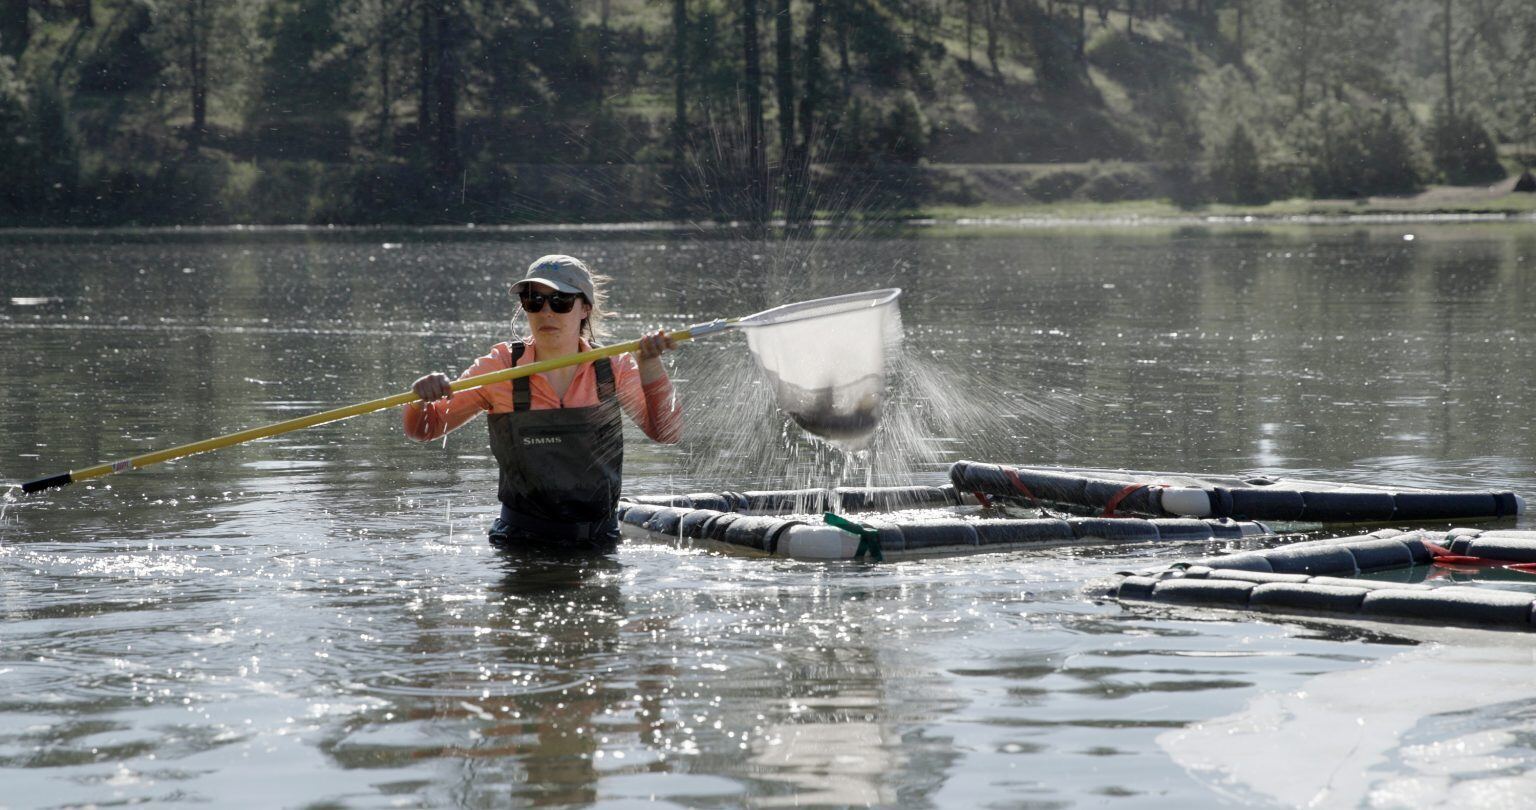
550	326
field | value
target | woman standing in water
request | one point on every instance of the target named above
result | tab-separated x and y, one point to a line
557	436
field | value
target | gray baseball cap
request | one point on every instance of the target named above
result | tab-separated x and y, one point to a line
567	274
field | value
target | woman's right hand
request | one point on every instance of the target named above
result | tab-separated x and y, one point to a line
434	386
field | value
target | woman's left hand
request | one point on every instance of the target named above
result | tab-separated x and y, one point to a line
652	346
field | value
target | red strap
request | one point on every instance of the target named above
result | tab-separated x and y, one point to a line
1018	484
1443	556
1114	503
1109	508
986	503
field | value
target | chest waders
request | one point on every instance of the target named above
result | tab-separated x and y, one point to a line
561	469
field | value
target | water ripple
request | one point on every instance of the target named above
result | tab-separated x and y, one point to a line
455	679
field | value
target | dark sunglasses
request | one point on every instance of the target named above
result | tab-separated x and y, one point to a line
559	302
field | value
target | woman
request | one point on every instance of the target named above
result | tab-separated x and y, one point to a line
557	436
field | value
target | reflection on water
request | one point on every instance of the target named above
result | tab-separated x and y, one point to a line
1360	738
316	618
1489	575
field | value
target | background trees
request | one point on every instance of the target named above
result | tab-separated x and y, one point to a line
515	110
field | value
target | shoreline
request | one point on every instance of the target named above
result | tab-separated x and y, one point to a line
1437	205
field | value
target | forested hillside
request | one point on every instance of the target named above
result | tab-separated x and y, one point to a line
420	111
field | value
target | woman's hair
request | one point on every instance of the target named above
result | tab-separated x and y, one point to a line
592	327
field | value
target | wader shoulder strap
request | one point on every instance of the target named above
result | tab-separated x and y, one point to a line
522	398
605	384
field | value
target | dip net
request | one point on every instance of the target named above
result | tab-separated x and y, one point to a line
826	360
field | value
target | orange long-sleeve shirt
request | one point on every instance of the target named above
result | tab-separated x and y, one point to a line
654	407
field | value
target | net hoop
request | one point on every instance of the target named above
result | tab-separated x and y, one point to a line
822	307
826	361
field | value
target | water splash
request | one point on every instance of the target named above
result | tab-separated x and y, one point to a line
8	498
934	412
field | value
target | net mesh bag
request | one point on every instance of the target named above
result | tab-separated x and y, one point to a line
826	360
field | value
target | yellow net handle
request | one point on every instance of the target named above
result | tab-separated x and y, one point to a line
299	423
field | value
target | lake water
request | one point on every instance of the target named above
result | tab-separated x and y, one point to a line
316	619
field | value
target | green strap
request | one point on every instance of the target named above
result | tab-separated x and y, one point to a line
869	537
